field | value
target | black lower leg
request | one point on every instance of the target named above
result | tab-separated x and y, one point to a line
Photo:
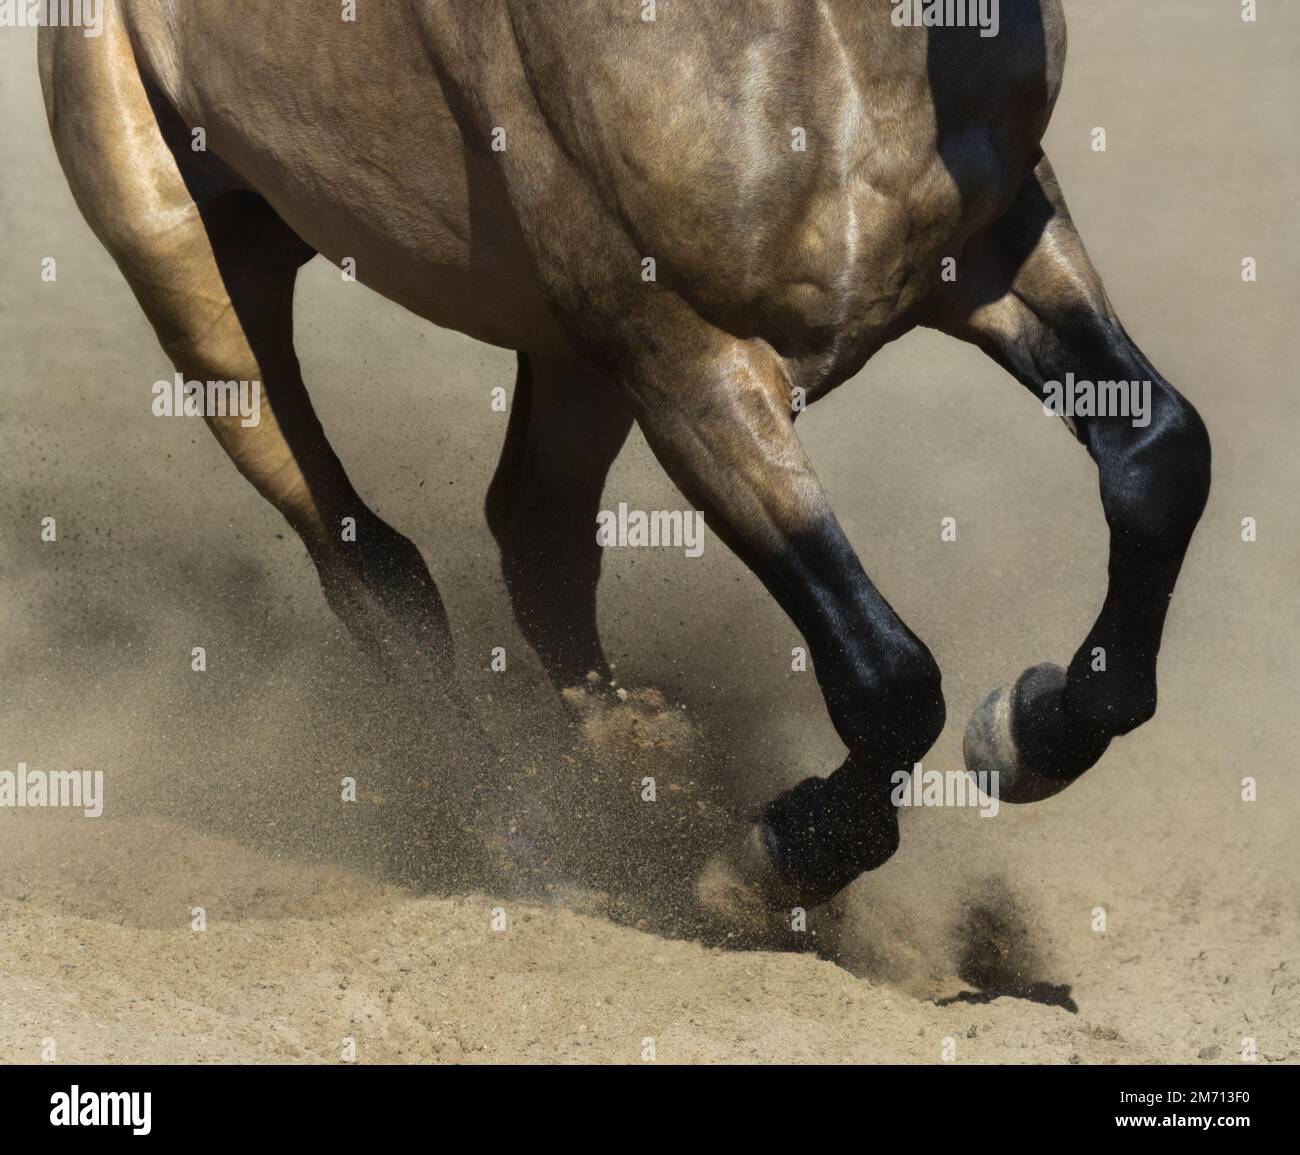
1154	481
565	431
883	692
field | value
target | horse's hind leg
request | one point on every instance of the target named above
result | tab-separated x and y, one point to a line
214	270
373	578
1031	298
565	430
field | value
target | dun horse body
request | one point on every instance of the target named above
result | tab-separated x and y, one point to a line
805	175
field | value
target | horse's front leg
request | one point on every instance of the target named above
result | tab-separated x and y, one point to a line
717	413
1029	296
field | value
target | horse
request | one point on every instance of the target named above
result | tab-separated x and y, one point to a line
697	216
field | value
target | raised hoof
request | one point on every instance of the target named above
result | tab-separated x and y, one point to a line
993	744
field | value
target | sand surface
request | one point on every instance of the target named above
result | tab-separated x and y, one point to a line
499	891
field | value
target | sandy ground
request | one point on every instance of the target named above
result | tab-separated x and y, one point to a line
404	921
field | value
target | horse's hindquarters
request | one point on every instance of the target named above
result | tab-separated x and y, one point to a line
344	128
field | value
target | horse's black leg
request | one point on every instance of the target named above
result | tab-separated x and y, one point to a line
719	420
1029	296
565	430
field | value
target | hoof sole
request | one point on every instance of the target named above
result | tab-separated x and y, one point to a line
990	747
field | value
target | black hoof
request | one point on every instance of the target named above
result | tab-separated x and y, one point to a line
742	888
808	845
